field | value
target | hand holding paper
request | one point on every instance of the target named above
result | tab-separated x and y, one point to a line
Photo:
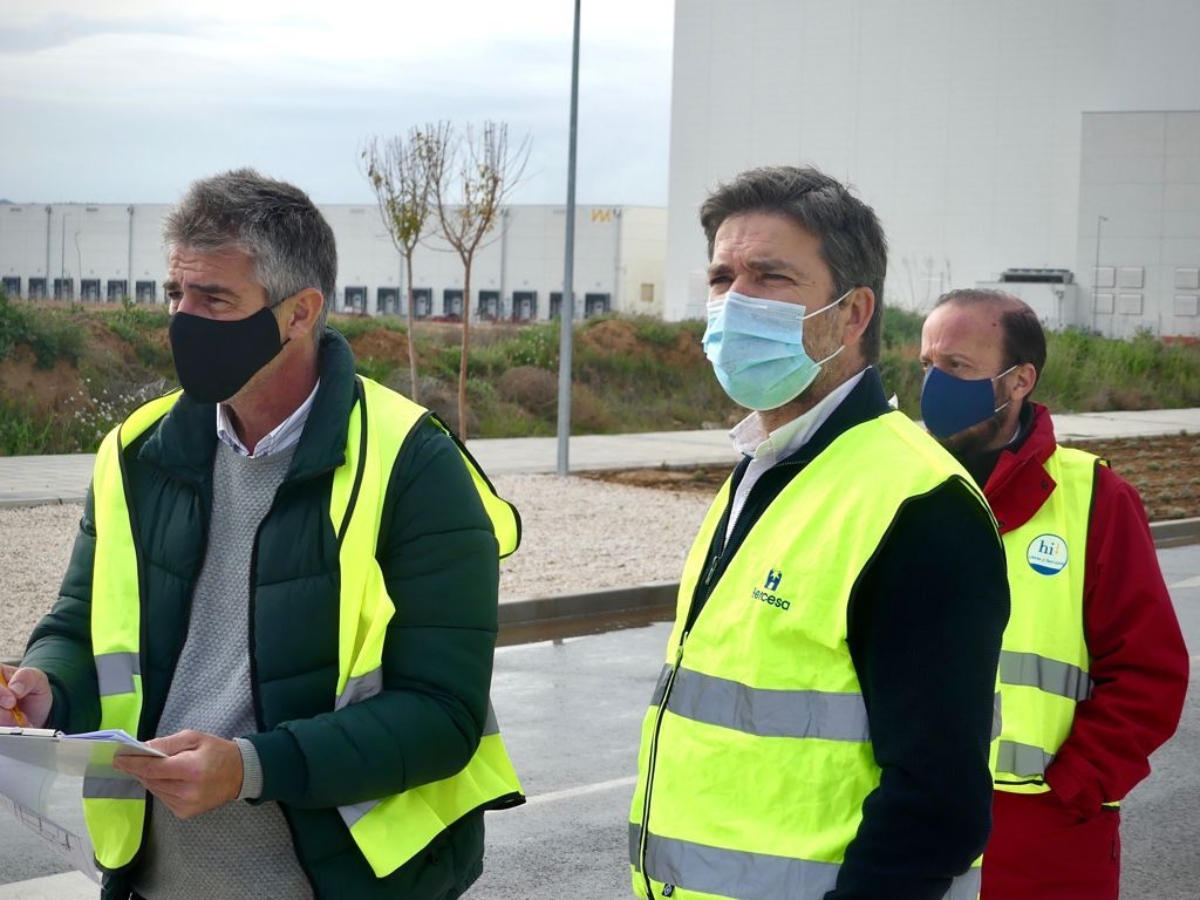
25	697
200	773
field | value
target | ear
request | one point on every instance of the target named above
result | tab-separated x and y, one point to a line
860	307
302	319
1022	380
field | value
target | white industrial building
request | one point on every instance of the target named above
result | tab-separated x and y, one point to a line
105	252
1026	135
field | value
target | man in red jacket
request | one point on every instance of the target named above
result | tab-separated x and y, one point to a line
1093	668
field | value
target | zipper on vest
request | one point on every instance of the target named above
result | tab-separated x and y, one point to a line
651	764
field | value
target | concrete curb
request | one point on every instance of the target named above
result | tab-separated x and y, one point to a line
16	501
1175	533
531	619
553	618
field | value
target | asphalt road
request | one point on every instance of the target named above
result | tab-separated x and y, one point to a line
571	711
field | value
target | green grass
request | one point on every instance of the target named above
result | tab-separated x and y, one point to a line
661	383
52	334
376	369
24	431
135	325
353	326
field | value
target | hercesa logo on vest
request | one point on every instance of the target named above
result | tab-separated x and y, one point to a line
1047	554
766	593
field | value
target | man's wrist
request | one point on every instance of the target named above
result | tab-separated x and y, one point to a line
252	775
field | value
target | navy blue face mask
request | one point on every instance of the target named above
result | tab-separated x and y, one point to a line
950	405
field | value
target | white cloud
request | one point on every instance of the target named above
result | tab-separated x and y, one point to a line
122	102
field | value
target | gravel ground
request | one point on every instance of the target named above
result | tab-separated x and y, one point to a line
577	535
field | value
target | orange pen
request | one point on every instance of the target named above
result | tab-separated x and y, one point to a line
18	716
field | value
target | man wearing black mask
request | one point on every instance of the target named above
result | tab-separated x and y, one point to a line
1093	668
286	581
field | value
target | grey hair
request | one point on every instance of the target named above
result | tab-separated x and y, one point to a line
852	240
289	243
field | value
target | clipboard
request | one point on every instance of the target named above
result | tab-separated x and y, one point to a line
86	755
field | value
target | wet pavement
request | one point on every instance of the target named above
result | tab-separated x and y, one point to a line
571	713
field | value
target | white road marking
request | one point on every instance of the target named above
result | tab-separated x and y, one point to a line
1187	583
568	793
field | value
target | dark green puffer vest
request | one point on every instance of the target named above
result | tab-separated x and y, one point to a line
439	557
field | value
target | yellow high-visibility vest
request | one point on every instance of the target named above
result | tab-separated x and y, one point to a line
760	701
1044	661
388	831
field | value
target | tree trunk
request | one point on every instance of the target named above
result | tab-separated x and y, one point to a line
466	345
412	344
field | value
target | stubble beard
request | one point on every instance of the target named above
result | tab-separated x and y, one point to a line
975	439
829	378
981	438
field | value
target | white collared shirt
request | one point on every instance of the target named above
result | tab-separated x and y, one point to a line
750	438
279	438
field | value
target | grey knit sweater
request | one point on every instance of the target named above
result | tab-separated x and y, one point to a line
237	850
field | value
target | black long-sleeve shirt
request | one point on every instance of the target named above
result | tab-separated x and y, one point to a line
925	623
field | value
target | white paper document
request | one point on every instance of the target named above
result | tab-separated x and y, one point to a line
49	806
89	754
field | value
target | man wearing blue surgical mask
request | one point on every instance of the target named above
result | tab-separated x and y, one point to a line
1093	668
821	728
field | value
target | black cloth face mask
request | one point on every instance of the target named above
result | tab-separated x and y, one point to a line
214	358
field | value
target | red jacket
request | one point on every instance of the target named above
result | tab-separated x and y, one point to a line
1139	661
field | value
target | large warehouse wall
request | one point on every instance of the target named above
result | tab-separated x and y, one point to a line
618	252
959	121
1139	222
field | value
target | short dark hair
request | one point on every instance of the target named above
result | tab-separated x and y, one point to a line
274	223
1024	338
852	240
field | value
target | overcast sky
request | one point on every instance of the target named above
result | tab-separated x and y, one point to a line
129	100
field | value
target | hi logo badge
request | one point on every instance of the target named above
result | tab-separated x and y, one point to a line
1047	554
766	593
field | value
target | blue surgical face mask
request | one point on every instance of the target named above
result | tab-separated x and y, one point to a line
756	348
950	405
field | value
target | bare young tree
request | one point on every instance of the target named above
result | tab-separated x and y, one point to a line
469	194
402	172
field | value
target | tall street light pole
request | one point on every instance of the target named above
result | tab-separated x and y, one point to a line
566	309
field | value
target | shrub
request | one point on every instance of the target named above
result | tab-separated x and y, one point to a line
52	334
534	389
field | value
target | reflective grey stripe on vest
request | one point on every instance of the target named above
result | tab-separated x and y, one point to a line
359	688
732	873
1049	675
1022	759
355	811
966	887
751	876
115	671
663	677
95	788
768	713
